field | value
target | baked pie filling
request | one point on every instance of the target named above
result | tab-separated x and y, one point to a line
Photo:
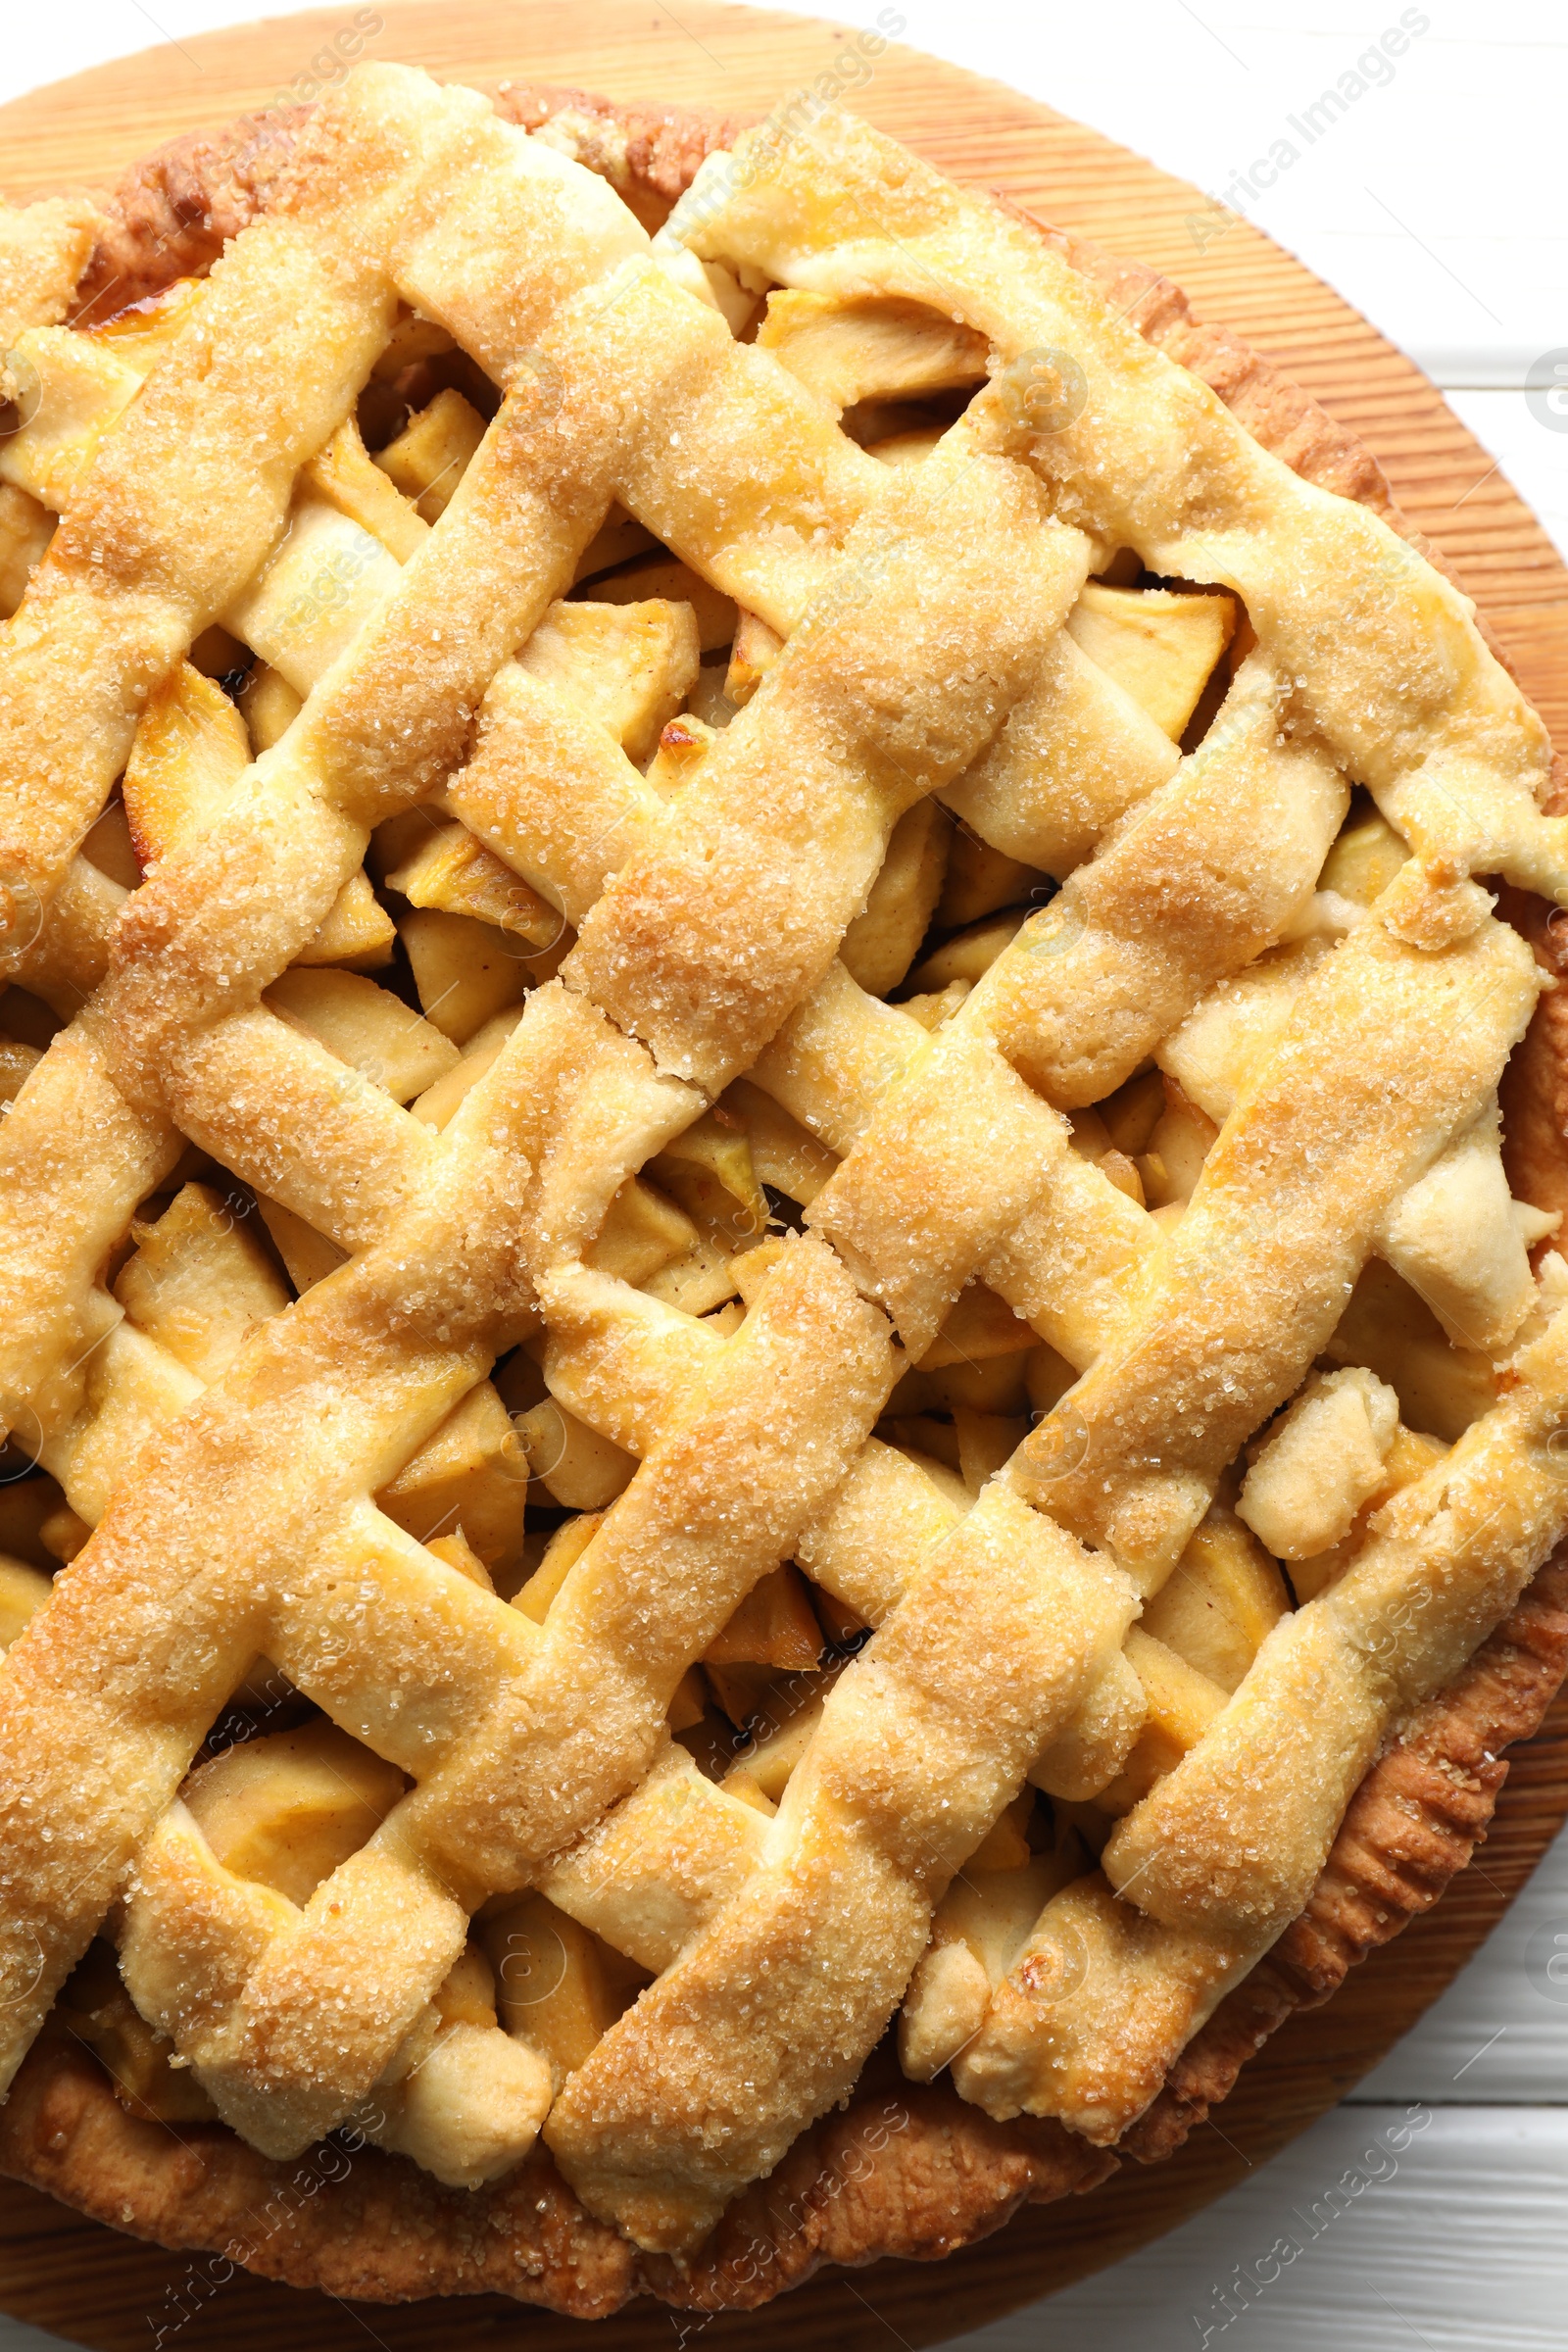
754	1224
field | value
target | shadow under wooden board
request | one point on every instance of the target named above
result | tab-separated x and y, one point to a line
63	2273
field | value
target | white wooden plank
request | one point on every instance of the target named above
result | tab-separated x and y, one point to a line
1431	203
1500	2031
1532	454
1454	2241
16	2337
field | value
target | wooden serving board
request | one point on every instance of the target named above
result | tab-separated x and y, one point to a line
68	2275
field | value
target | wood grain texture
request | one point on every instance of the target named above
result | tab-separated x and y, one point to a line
1379	2231
65	2274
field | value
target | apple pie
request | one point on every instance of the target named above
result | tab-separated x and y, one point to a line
786	1376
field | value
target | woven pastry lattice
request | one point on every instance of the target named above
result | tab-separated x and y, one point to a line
1070	1223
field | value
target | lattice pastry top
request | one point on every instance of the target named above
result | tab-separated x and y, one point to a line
752	1225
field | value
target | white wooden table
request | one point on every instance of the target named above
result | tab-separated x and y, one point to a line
1434	2208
